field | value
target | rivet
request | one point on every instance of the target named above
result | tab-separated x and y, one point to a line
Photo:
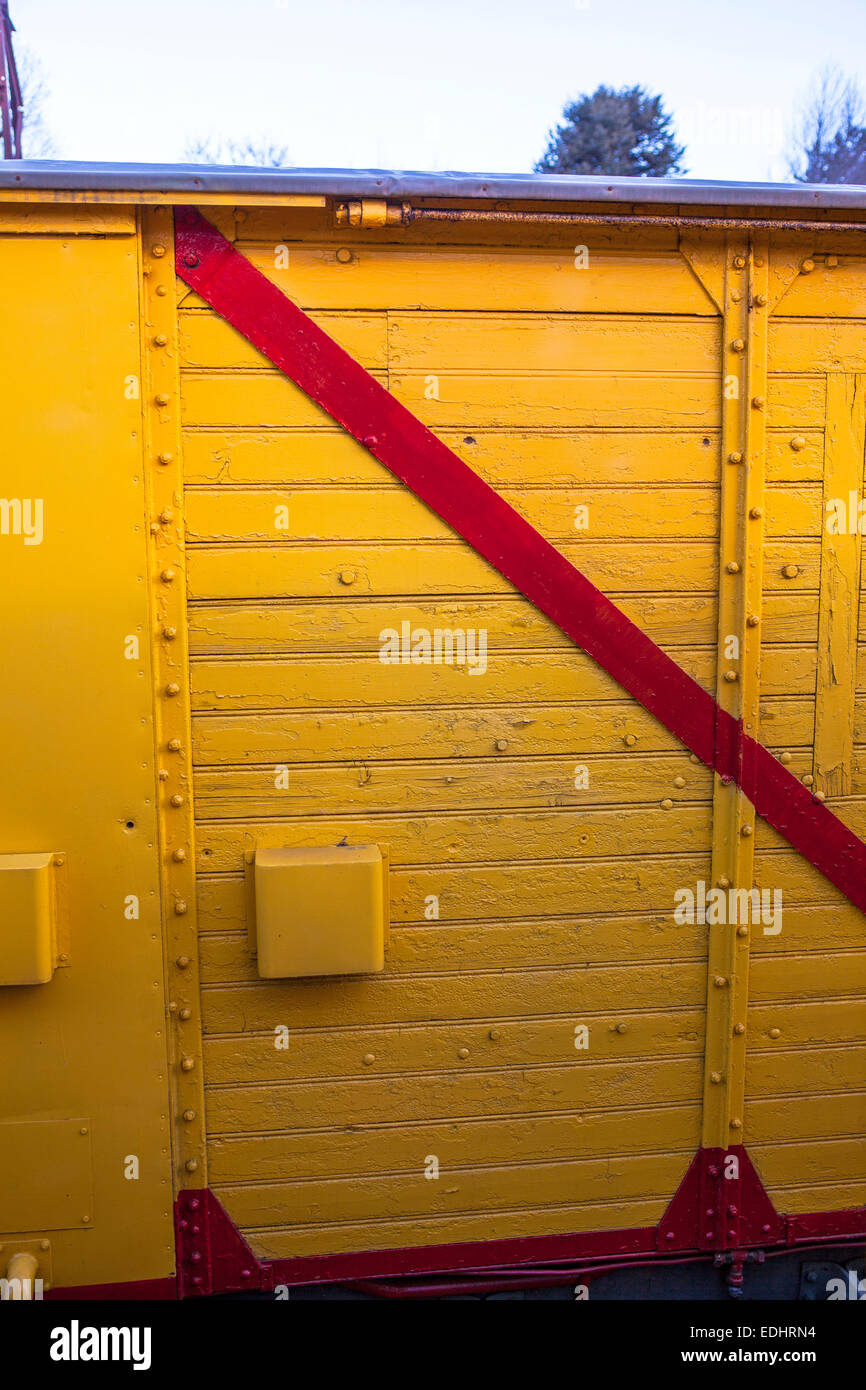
736	1124
831	261
501	745
723	881
191	1165
719	981
790	571
739	1029
189	1116
59	861
163	774
669	1235
736	457
739	262
730	675
182	962
679	781
766	1228
693	758
752	620
348	576
758	402
83	1130
775	1032
745	831
166	516
369	1059
630	740
784	757
710	1211
86	1220
165	459
169	633
190	259
64	956
708	1235
246	1274
808	779
807	266
715	1077
760	300
622	1027
820	796
754	513
157	251
667	805
179	856
798	442
174	745
177	799
742	931
370	441
172	688
738	345
180	907
463	1053
713	1171
160	339
161	398
344	255
167	576
187	1063
45	1245
494	1034
162	290
732	567
185	1015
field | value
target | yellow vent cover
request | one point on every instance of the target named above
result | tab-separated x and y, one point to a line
321	911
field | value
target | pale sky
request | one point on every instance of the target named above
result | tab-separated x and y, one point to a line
427	84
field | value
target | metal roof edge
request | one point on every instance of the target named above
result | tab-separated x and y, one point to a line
61	176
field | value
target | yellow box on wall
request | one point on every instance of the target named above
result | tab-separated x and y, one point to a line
320	911
27	919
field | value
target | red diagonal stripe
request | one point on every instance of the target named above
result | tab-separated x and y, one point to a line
246	299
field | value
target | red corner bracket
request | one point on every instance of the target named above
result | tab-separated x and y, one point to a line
720	1204
212	1255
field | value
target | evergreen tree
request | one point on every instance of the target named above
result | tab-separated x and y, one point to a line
625	132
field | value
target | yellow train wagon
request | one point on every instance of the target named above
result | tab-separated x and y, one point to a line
435	730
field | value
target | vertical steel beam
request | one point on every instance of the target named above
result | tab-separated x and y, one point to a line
167	576
741	534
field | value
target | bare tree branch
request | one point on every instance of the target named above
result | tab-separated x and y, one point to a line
828	142
260	155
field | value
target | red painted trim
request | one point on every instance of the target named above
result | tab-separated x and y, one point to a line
143	1290
247	300
212	1255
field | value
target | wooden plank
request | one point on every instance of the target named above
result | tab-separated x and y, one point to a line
492	996
321	735
826	344
238	684
840	584
207	342
288	516
360	1152
464	1190
303	515
320	570
502	457
533	278
519	1091
334	1055
289	1242
464	785
828	292
267	398
521	343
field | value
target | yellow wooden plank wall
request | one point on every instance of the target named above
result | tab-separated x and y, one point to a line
565	388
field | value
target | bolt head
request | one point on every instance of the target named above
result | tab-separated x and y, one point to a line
190	259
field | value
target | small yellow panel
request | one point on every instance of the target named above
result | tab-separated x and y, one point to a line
320	911
46	1180
27	930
